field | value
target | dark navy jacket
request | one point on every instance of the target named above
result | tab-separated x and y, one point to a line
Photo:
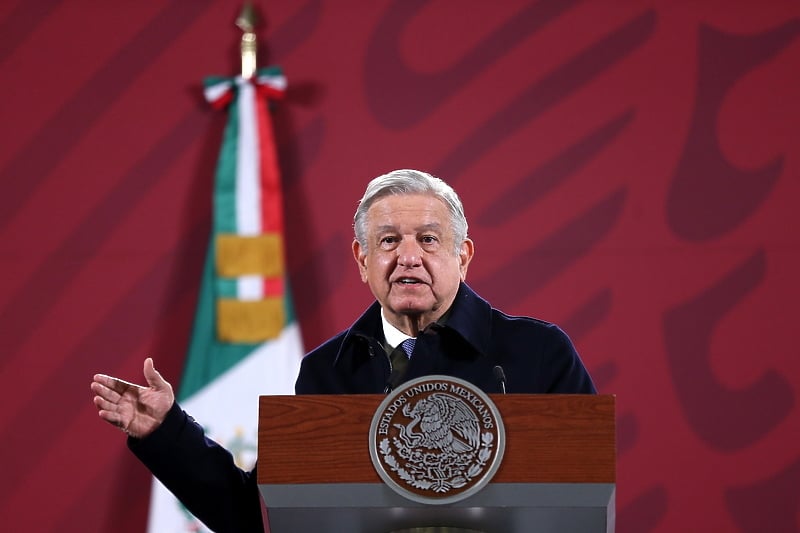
536	357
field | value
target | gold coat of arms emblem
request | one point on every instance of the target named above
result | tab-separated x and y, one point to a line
437	439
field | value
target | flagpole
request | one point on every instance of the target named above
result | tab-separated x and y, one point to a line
246	22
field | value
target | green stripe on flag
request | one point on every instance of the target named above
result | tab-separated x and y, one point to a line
226	288
225	180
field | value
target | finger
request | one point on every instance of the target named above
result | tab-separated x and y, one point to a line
153	376
120	426
104	404
110	413
121	383
118	389
111	417
107	381
105	392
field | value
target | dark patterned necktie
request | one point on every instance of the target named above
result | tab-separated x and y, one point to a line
399	357
408	346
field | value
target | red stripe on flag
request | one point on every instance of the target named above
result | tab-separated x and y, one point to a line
273	286
271	195
223	101
269	92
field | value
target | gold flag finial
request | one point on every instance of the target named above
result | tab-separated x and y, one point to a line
247	22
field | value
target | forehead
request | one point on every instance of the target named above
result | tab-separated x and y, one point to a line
408	211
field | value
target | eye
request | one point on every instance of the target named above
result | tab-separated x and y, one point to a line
429	239
388	241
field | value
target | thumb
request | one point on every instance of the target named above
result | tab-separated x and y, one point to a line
153	376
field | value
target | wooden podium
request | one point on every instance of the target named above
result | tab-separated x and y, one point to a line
558	472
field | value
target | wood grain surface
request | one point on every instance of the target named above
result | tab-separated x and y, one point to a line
325	439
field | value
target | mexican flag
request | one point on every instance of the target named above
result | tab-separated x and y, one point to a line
246	341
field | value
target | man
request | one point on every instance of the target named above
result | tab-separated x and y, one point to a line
412	250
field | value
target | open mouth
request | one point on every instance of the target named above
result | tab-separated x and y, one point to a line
408	281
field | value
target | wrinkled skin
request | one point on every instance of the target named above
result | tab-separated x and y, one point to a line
409	261
136	410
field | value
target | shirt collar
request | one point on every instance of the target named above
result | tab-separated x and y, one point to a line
394	337
470	316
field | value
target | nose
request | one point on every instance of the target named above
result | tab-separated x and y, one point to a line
409	253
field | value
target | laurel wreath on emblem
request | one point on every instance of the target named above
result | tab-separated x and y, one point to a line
446	454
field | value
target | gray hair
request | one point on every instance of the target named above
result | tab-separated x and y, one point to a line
407	181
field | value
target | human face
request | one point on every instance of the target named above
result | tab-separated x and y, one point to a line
410	262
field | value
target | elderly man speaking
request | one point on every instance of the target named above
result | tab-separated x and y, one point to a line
412	250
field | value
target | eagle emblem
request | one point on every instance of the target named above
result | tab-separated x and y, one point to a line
446	424
437	439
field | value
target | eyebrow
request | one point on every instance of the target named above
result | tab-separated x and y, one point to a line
433	226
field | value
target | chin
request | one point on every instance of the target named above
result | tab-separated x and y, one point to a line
411	308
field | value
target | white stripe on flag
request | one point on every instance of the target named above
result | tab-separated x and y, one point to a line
248	184
250	288
214	92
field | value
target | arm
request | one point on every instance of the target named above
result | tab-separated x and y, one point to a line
200	472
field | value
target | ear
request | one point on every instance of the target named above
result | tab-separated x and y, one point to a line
360	256
465	256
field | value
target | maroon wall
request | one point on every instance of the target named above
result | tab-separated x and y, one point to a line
631	171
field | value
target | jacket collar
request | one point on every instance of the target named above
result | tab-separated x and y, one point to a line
470	316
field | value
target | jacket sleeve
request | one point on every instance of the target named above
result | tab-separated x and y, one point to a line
201	474
567	374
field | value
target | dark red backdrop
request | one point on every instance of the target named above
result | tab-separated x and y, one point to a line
631	172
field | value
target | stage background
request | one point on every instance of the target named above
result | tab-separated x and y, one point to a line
631	171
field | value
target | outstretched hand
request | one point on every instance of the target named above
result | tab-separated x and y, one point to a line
136	410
